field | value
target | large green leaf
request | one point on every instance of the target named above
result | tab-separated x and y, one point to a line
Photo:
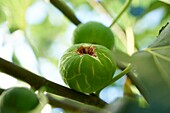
15	11
151	73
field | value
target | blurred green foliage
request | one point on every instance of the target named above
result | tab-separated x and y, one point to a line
145	18
44	39
15	12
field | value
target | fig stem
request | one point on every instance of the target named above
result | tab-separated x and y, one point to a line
127	4
120	75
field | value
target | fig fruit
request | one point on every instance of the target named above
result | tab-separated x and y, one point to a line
18	100
87	68
94	33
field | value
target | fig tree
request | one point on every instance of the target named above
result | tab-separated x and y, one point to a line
94	33
18	100
87	67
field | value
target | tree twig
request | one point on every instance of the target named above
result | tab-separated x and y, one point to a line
66	10
71	105
121	12
37	81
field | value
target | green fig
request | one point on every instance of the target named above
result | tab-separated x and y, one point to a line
18	100
94	33
87	68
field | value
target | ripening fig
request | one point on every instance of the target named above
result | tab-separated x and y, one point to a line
18	100
87	68
94	33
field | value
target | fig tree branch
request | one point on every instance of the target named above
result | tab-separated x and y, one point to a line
37	82
67	11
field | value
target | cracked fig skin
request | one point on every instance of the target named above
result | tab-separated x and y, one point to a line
87	68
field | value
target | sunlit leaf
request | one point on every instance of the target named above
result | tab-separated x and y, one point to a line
15	12
166	1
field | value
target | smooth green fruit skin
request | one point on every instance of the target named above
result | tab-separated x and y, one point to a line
18	100
94	33
85	73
